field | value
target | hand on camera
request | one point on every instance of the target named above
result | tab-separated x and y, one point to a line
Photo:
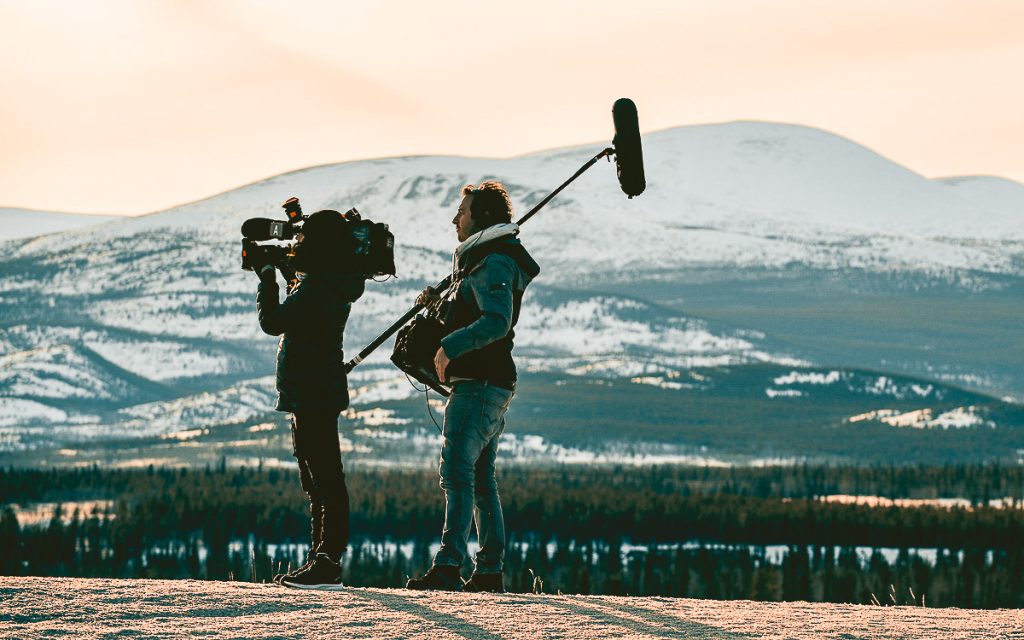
428	296
440	364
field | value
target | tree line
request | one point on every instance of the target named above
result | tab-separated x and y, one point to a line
611	530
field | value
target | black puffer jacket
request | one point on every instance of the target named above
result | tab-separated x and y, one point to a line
311	323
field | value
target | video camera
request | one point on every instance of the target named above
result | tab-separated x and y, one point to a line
372	244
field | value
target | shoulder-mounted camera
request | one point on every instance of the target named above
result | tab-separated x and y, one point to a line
368	247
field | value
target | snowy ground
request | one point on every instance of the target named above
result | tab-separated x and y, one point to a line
80	608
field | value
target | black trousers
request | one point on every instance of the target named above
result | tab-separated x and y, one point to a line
316	446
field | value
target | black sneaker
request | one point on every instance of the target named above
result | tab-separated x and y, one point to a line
485	582
323	574
309	560
439	578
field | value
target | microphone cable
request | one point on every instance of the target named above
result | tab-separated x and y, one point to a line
426	400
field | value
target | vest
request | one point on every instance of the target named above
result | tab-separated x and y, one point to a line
493	362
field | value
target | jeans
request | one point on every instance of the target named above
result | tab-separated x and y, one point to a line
316	446
474	418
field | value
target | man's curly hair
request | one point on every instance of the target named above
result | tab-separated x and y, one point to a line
491	204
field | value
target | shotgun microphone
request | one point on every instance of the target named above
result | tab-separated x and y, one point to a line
629	159
267	229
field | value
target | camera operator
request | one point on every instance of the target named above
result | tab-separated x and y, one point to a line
311	380
493	271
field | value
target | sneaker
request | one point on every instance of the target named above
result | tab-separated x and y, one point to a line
485	582
309	560
439	578
323	574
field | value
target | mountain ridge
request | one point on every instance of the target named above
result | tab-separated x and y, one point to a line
737	255
554	151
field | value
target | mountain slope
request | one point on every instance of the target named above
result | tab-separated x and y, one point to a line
28	223
736	194
755	244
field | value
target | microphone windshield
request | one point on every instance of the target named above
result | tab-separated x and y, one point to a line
629	158
267	229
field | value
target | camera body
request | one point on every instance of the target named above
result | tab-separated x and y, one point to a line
374	246
371	244
255	256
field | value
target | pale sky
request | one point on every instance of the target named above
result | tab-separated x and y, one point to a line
131	106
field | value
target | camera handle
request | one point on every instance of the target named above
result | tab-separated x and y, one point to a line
447	282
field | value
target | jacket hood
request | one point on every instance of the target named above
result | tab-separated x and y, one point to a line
494	232
504	240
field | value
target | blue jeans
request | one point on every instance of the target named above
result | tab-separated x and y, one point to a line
474	418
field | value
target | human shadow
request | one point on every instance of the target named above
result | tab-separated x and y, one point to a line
446	621
651	623
655	624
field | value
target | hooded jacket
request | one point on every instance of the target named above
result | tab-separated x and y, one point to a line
311	323
495	270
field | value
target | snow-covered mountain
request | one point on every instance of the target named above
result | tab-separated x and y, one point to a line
738	194
100	323
27	223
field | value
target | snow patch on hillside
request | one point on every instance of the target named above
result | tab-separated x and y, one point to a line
157	360
957	418
238	403
876	385
56	372
596	325
20	411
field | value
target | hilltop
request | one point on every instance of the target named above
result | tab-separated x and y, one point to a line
86	608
